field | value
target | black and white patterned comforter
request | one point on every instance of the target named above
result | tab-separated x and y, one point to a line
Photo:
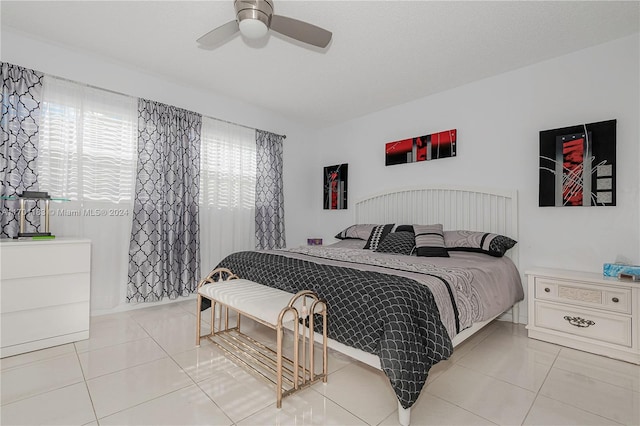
380	304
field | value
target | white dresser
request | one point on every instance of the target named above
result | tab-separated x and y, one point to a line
44	293
585	311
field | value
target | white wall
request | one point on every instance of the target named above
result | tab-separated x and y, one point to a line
498	121
21	49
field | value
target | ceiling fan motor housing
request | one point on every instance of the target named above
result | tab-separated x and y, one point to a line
261	10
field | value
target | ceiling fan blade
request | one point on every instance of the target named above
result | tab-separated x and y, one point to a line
219	35
301	31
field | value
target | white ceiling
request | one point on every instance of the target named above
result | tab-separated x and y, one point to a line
383	53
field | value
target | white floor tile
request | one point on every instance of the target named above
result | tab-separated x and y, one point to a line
69	405
187	406
463	348
431	410
238	393
175	334
38	377
189	305
117	391
112	331
546	411
517	364
304	408
506	335
35	356
600	398
362	390
151	315
601	368
203	362
115	358
438	369
111	318
493	399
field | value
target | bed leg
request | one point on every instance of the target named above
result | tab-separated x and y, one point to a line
515	313
404	415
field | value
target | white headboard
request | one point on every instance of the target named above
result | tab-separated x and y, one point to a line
455	207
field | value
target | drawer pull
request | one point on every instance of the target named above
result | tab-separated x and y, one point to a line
615	300
547	289
579	322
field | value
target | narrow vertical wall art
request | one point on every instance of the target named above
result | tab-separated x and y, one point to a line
578	165
335	187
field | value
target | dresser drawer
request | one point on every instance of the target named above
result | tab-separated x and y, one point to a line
597	325
589	295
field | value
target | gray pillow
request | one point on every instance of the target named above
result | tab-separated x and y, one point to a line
481	242
357	232
430	241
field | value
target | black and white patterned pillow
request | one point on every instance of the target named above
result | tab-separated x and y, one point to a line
398	243
481	242
356	232
377	235
430	241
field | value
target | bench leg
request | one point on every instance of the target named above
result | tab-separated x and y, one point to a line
279	367
213	316
198	317
325	354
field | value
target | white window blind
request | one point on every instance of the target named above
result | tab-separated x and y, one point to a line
227	165
87	142
227	190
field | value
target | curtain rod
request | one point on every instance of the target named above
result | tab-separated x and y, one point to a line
135	97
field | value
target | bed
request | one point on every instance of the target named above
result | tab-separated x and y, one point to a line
399	312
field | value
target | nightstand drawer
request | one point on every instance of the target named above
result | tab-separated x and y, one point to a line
596	325
590	295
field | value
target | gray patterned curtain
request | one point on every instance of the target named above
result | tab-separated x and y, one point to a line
269	191
164	253
21	97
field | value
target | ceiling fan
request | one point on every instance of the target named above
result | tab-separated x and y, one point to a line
254	18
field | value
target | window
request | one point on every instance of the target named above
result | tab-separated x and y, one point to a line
87	143
227	166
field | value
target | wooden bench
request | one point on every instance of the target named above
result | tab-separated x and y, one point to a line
275	309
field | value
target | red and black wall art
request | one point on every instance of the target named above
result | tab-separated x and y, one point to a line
578	165
335	187
422	148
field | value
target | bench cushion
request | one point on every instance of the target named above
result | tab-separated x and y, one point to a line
257	300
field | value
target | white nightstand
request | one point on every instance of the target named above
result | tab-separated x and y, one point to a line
585	311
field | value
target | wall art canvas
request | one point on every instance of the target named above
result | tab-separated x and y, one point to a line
335	187
578	165
422	148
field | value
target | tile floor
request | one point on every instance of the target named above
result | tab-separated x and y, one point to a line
141	367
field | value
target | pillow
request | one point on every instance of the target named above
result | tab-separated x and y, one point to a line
481	242
404	228
357	232
430	241
377	235
398	243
